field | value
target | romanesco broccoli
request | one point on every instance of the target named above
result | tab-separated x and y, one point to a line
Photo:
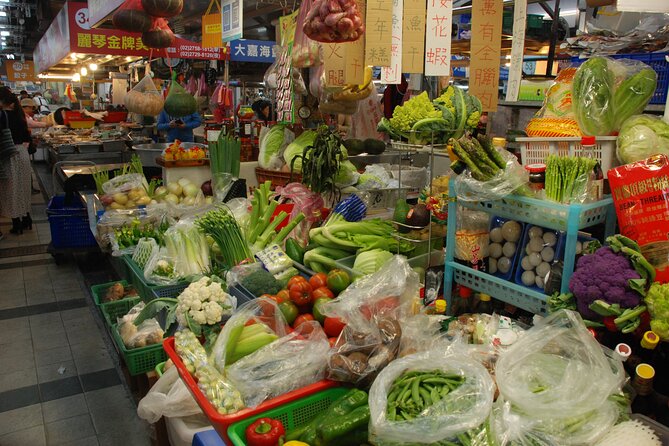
417	108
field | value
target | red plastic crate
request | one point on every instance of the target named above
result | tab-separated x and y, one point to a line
222	422
75	116
115	117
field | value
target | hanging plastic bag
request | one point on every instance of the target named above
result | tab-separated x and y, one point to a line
556	116
179	102
144	99
271	77
168	397
272	370
461	413
334	21
159	36
306	52
132	17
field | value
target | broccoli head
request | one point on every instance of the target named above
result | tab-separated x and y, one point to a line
603	275
261	282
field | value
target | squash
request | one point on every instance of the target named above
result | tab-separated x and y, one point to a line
179	102
144	99
158	38
163	8
131	20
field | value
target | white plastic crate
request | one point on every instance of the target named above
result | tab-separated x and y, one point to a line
536	150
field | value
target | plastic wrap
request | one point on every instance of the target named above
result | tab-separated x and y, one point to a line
220	393
471	236
260	311
124	183
159	270
168	397
144	99
188	246
556	116
462	410
305	201
271	77
273	370
190	350
506	182
147	333
641	137
306	52
421	333
557	370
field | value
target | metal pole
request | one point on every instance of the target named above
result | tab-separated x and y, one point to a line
554	36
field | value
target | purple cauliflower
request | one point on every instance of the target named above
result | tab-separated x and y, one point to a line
603	275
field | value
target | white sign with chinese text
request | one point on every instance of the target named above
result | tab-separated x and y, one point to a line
438	28
517	49
393	73
232	19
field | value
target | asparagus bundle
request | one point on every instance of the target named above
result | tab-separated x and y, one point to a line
567	178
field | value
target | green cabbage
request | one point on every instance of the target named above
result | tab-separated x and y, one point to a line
296	148
347	175
642	136
269	156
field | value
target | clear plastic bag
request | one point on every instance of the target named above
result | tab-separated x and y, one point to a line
557	370
144	99
260	311
159	270
220	393
273	370
169	397
463	409
190	350
471	235
513	177
421	333
124	183
306	52
148	332
556	116
271	77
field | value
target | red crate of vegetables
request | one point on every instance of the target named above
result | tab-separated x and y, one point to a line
222	422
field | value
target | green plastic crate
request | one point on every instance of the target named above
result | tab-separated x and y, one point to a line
139	360
146	290
116	309
292	415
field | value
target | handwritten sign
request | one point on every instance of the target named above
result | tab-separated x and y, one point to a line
413	35
378	33
393	73
438	37
355	54
335	64
517	49
485	51
284	92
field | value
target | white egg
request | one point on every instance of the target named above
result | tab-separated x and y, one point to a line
492	265
550	238
579	247
511	231
535	231
528	278
496	235
495	250
525	263
547	254
509	249
535	259
543	269
536	244
504	265
539	282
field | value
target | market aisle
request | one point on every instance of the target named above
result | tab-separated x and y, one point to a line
59	381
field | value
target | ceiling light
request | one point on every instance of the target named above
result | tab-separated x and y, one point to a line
93	66
55	76
73	56
76	77
4	33
10	56
3	14
84	71
4	1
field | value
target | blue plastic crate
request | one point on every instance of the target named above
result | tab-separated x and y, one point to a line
69	224
657	61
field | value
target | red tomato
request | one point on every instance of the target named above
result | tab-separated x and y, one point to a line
267	307
270	297
300	293
322	292
333	326
296	279
302	319
332	341
283	295
318	280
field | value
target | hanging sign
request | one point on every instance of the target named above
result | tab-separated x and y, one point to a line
413	36
438	37
486	48
334	64
211	26
244	50
284	79
517	49
18	71
393	73
354	69
378	32
232	20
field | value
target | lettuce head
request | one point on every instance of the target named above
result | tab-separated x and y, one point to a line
640	137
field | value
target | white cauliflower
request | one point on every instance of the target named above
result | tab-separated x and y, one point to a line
204	301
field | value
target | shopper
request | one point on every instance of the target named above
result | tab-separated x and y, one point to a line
23	95
15	190
179	128
29	108
41	103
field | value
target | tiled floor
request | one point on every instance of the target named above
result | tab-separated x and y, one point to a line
59	377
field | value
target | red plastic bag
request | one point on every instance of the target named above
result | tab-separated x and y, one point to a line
334	21
159	36
306	52
640	193
132	17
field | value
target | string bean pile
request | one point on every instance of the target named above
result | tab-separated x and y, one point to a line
413	392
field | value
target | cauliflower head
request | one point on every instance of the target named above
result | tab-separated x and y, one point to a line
204	302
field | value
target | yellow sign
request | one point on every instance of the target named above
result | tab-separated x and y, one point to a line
211	27
413	36
355	54
18	71
486	49
287	25
379	33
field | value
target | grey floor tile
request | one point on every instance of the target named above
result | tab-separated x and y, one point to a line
45	319
16	361
19	419
31	271
40	296
12	299
60	389
75	336
70	429
17	398
17	379
18	347
64	408
88	441
15	274
47	330
88	365
53	356
80	324
117	414
33	436
52	372
89	347
99	380
35	290
13	329
47	343
77	313
136	437
5	243
64	291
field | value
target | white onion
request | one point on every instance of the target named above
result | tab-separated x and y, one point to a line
172	198
528	278
174	189
547	254
183	182
509	249
160	192
495	250
190	190
496	235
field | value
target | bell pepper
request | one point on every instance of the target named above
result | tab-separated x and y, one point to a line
295	443
264	432
338	281
294	250
337	427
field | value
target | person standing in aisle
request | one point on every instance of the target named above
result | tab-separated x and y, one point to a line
15	188
179	128
28	106
41	103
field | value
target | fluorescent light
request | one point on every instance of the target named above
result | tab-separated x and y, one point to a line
4	1
3	14
93	66
10	56
4	33
55	76
84	71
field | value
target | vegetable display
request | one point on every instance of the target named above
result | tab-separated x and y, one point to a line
292	155
202	303
657	301
221	225
225	155
320	162
264	432
271	145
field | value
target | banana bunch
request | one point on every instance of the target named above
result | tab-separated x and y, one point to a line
352	92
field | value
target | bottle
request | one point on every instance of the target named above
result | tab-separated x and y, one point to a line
460	304
642	353
482	304
647	401
537	176
440	306
588	147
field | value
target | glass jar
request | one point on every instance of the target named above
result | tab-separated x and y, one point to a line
537	175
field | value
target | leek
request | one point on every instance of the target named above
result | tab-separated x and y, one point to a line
221	225
189	249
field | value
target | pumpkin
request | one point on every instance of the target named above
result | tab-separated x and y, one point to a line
132	20
158	38
163	8
144	99
179	102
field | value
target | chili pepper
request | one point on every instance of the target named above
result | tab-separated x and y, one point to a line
264	432
343	425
